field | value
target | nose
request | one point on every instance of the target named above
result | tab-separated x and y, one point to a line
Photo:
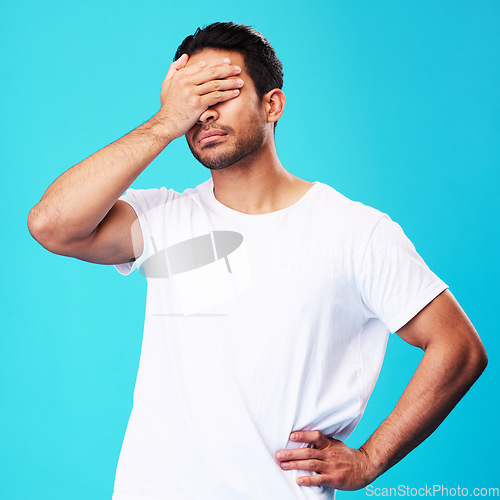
208	115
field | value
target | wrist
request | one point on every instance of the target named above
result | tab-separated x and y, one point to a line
161	128
373	465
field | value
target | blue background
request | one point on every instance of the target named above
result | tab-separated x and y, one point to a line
395	104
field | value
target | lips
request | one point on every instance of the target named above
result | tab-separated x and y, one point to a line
210	135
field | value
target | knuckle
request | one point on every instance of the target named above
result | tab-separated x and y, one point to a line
193	101
217	95
338	477
216	84
183	80
320	465
320	481
312	464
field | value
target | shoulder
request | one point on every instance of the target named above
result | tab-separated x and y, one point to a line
146	200
353	216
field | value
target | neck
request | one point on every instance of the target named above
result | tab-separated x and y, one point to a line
258	184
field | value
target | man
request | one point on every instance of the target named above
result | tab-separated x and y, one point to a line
270	298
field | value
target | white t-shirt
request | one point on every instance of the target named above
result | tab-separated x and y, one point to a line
257	325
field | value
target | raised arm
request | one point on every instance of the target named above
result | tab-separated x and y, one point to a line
454	357
79	215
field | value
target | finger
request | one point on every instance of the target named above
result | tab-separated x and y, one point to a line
299	454
181	62
214	85
177	65
214	73
218	96
315	480
194	68
316	438
314	465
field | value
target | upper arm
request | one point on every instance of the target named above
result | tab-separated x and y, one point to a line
116	240
444	324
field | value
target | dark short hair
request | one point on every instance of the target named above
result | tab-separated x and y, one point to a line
261	62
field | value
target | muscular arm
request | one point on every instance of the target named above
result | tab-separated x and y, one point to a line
79	214
454	357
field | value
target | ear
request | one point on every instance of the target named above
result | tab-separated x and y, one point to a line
274	104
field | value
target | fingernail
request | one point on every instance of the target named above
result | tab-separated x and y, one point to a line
279	455
239	81
227	60
237	68
293	436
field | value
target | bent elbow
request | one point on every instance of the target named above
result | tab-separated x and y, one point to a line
474	359
42	230
480	359
37	224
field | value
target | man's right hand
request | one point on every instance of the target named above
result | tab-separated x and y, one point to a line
79	214
189	90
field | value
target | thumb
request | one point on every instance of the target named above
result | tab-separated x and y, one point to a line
177	65
323	442
334	441
181	62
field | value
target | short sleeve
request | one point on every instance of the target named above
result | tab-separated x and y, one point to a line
148	205
395	283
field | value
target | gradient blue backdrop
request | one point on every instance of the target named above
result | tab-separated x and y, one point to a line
395	104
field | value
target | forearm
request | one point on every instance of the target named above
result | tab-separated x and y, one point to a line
443	376
77	201
454	357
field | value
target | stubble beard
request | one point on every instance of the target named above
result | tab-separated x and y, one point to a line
244	147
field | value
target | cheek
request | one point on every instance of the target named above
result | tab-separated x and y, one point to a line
244	103
229	108
244	116
189	139
191	132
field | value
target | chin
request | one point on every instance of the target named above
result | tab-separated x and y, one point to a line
215	158
222	154
217	163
